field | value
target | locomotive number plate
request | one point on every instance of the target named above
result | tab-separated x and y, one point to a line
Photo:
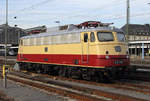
118	62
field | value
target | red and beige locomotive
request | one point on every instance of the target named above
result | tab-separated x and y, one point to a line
91	50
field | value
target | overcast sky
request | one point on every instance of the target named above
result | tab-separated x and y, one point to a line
32	13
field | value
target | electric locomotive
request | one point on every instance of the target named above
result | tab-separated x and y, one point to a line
91	51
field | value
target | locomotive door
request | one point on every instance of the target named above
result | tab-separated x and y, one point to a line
85	48
20	49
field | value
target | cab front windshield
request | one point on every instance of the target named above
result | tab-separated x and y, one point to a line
105	36
121	37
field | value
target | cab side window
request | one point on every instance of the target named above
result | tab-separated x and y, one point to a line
85	37
92	37
21	42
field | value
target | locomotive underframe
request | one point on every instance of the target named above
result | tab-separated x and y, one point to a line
86	73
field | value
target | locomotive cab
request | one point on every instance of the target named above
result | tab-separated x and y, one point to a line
104	48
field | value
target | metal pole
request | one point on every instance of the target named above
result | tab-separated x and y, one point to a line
149	50
142	51
5	76
135	49
127	27
58	22
6	34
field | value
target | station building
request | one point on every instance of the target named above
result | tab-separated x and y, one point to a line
13	34
139	39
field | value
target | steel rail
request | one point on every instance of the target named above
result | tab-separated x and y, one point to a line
96	93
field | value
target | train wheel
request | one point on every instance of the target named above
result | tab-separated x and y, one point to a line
86	74
55	70
98	77
74	72
101	77
68	72
95	79
62	71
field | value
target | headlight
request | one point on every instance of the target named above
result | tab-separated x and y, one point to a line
127	56
107	57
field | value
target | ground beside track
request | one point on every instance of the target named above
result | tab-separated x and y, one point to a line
23	93
4	97
88	87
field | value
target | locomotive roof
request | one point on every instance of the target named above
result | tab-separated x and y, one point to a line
72	32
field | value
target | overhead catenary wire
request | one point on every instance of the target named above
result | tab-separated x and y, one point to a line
99	8
33	6
86	15
81	15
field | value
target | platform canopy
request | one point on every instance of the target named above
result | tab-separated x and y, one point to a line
138	42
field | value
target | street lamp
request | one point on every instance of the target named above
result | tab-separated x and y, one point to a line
18	31
58	22
15	17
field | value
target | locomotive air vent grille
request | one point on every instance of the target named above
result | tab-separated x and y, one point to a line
117	48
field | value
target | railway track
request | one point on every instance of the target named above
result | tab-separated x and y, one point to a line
138	74
72	89
64	91
124	84
4	97
83	93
